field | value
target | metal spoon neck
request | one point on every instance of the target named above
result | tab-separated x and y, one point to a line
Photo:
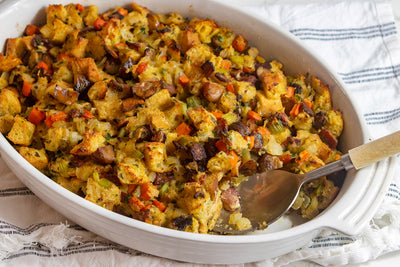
344	163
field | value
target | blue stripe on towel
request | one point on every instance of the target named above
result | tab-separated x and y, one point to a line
347	33
371	74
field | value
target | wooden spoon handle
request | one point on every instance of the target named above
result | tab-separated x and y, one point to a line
374	151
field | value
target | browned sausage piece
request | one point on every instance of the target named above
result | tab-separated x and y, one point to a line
248	168
258	140
319	120
212	91
240	127
143	133
267	162
328	138
104	155
198	152
159	137
146	89
230	199
208	68
65	96
131	103
189	39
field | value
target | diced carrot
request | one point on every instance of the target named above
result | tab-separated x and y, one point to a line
43	65
120	45
63	56
226	64
253	115
26	89
302	156
122	11
159	205
250	139
295	110
217	114
80	7
308	102
87	115
285	158
60	116
263	131
290	91
221	146
36	116
163	58
230	88
337	157
183	80
99	23
148	191
239	43
141	67
183	129
234	158
31	29
134	201
247	69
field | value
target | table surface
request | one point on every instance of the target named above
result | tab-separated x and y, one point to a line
390	259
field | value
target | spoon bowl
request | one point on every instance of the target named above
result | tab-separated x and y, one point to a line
266	196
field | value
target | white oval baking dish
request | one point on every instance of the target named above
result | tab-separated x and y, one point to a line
352	209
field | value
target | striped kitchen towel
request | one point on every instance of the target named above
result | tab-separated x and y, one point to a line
359	40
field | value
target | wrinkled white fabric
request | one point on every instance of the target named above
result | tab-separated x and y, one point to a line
360	41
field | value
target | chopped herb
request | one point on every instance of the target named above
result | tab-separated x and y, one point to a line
108	136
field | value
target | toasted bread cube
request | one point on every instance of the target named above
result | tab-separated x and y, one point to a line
219	163
108	109
7	63
36	157
205	28
201	119
227	102
246	90
21	132
90	143
322	101
266	106
105	195
274	81
154	155
175	114
132	172
6	123
160	100
334	122
9	103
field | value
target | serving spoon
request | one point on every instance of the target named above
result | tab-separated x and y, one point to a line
266	196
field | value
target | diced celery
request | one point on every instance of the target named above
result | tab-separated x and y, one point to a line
137	154
246	155
164	188
238	60
121	133
184	110
230	117
105	183
276	127
193	101
96	175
